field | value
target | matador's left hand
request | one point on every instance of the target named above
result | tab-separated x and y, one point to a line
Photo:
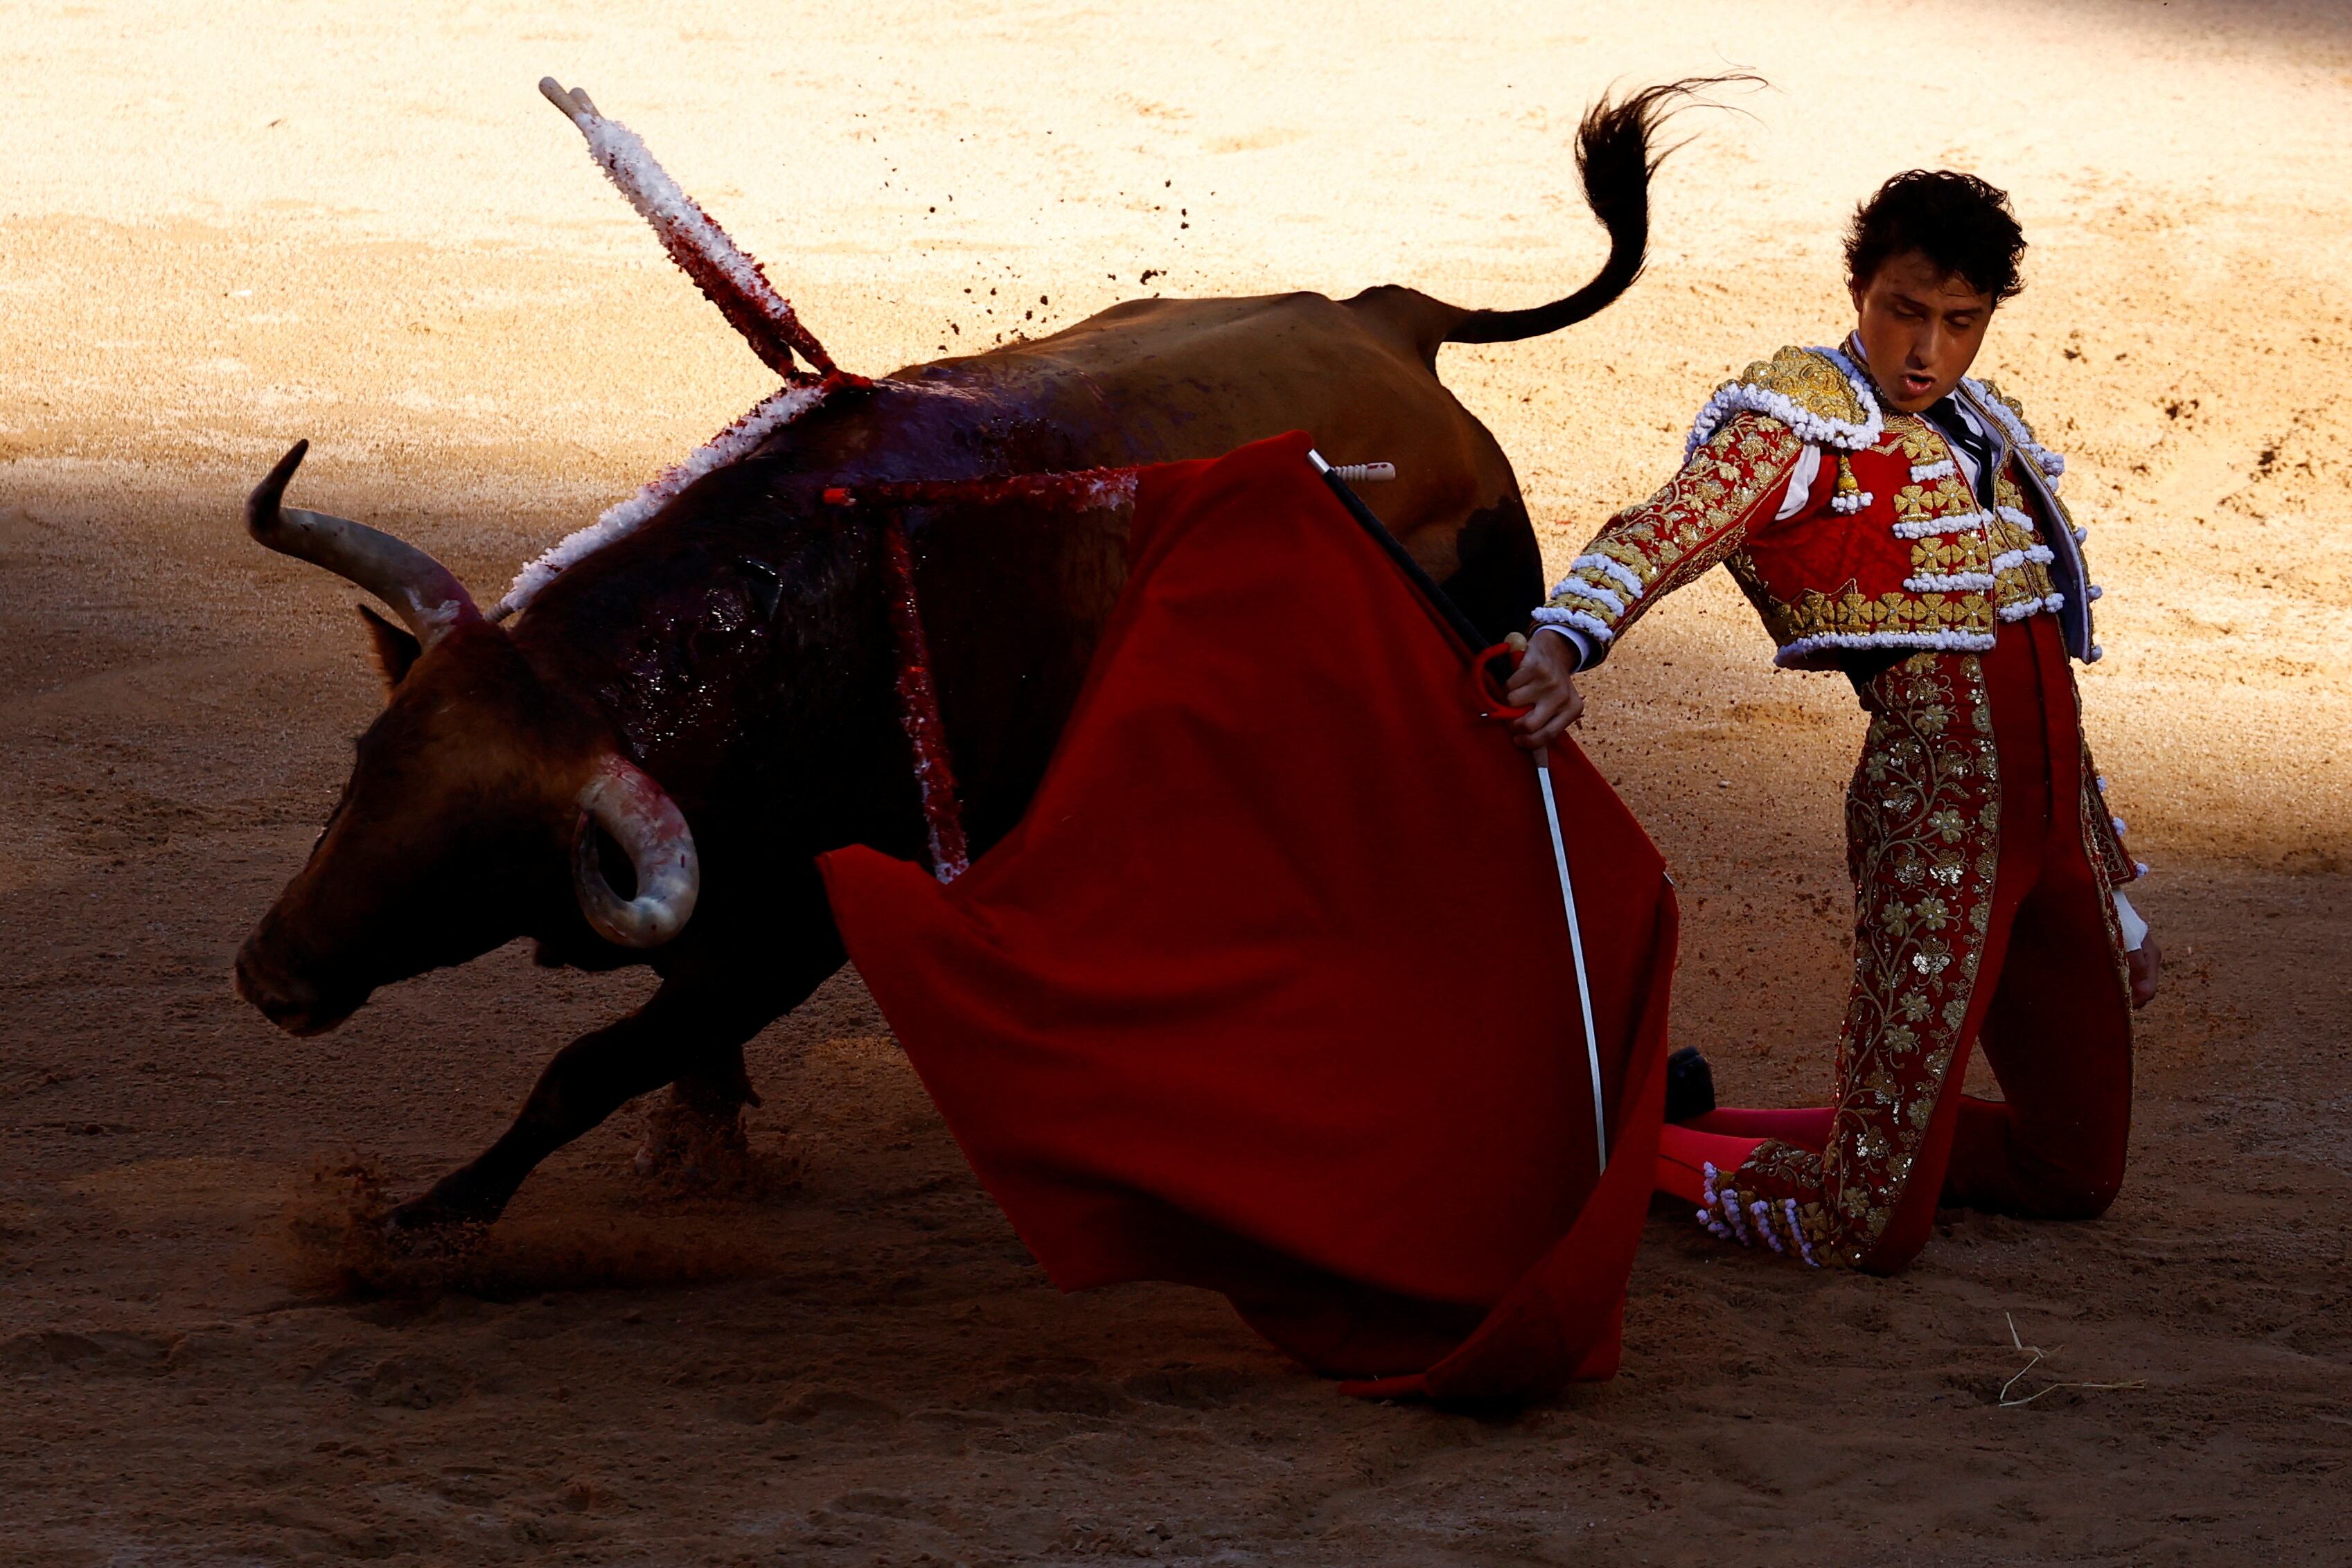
2147	962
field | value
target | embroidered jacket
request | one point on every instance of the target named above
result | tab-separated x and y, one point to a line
1887	548
1850	529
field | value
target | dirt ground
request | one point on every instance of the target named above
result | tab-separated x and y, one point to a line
359	224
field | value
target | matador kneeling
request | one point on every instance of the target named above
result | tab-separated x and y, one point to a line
1892	518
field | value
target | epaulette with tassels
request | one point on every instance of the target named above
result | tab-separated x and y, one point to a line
1817	392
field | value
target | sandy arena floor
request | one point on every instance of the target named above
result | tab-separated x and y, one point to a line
223	227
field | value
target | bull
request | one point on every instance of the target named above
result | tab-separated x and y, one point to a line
642	766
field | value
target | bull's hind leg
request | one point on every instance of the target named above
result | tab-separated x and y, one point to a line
695	1027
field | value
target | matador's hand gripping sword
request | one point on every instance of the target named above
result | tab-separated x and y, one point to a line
1337	478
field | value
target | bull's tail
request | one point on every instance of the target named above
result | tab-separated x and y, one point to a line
1616	153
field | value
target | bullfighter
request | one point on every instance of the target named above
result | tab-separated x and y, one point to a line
1895	519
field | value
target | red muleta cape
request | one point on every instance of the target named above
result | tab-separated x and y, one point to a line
1271	992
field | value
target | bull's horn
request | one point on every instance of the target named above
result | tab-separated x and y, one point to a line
424	593
624	801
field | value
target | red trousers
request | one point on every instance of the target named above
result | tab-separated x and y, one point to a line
1983	912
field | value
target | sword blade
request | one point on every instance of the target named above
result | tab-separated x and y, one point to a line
1576	947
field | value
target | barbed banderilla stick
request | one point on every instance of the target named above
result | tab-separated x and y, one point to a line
918	707
1464	628
726	274
1075	490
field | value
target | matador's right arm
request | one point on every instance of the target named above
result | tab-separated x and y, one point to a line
1752	471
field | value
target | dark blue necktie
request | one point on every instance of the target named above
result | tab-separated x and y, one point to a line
1945	415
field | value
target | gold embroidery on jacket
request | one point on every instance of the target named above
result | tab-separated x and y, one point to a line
1923	444
1691	524
1688	525
1850	612
1809	382
1933	498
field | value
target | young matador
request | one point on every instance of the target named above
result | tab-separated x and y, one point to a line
1895	519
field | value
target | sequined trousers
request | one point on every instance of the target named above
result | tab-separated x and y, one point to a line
1982	913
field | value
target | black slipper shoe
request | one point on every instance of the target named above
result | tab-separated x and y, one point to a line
1690	1087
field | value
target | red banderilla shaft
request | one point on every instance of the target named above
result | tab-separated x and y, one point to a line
919	709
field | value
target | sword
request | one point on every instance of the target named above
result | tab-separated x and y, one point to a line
1337	478
1576	947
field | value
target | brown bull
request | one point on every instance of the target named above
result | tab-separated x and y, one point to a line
697	709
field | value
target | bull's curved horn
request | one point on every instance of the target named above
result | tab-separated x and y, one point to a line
624	801
421	590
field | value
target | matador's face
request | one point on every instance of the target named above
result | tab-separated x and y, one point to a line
1920	328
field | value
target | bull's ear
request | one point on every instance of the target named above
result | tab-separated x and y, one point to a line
395	650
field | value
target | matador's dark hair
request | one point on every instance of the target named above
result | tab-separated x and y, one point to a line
1957	221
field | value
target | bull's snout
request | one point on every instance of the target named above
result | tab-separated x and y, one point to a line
288	1000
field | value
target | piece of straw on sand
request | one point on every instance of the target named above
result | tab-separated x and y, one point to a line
2039	1356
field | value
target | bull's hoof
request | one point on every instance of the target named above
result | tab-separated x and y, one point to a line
688	1146
423	1246
693	1151
434	1226
445	1241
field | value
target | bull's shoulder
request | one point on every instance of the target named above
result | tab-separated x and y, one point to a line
1817	392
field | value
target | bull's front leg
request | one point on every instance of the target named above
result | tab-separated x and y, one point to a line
696	1133
692	1030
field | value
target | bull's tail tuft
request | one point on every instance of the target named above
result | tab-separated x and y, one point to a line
1616	153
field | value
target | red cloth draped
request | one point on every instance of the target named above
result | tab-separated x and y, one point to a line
1271	990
